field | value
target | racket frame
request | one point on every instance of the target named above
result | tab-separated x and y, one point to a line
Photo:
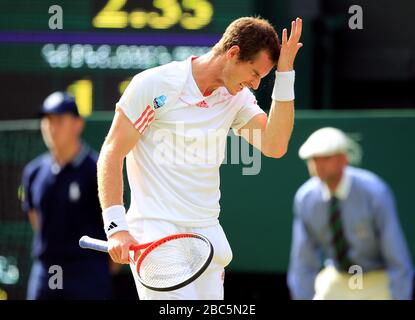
148	247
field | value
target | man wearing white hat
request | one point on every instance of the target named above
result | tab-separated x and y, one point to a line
347	241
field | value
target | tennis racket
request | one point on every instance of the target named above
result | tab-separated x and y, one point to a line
169	263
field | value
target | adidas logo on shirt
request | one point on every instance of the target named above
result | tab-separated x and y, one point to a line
202	104
112	226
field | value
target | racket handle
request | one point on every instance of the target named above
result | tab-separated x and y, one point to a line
94	244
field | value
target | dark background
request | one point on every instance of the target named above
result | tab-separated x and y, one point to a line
338	68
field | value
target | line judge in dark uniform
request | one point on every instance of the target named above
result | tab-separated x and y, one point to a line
60	196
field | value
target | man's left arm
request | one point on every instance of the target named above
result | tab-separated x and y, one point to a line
394	247
276	129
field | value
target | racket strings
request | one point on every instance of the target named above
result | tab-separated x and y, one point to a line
174	262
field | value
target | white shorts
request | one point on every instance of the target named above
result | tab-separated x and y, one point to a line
209	286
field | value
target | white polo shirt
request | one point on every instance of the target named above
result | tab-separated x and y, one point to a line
173	171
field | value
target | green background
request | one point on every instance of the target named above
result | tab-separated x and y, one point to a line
256	210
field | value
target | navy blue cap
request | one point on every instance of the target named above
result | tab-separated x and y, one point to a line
59	103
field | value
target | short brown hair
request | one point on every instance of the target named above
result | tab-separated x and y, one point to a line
251	35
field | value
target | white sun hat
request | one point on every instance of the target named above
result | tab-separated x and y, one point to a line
324	142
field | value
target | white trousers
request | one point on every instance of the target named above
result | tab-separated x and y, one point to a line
208	286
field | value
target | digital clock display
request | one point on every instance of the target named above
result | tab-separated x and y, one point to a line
101	45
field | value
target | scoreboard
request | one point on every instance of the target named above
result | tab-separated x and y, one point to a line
99	46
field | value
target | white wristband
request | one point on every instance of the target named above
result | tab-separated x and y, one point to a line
284	86
114	220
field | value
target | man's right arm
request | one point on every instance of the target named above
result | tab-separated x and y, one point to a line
33	218
122	137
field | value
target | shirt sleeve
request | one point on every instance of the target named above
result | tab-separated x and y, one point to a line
24	193
394	247
137	102
249	109
304	259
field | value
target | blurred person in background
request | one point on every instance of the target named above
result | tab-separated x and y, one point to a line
61	199
346	216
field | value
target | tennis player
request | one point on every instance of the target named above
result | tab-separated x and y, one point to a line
163	125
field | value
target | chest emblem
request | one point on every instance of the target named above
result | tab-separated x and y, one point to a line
159	101
74	192
202	104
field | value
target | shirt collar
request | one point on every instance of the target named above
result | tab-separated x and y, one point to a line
342	190
191	92
76	162
80	157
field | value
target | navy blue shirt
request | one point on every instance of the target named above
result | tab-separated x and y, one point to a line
66	201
